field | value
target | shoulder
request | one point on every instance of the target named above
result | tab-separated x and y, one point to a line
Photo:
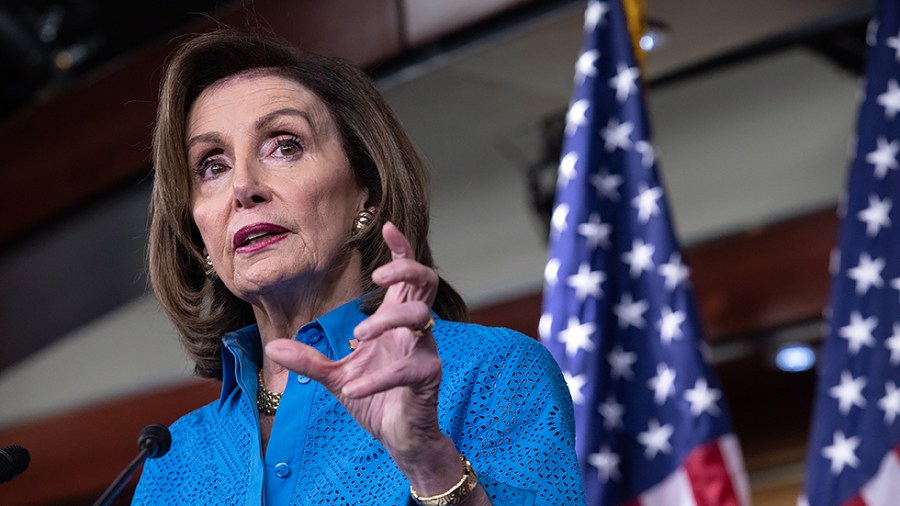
470	342
188	432
477	357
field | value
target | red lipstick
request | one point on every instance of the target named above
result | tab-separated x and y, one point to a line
257	236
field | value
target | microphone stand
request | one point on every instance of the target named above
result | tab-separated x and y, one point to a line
153	441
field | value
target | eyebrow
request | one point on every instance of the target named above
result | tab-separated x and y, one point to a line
269	118
260	124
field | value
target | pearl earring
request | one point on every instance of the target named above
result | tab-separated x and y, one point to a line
363	220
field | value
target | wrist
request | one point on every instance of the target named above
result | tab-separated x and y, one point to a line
455	495
432	468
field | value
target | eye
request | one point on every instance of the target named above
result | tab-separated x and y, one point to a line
210	167
288	145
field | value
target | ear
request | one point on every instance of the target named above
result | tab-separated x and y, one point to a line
363	200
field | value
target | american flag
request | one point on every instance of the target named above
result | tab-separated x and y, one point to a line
854	452
619	314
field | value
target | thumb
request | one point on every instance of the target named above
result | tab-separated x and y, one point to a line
301	359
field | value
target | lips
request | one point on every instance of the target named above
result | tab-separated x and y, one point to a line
257	236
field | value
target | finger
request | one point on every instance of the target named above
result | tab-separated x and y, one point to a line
413	315
397	242
301	359
405	270
420	374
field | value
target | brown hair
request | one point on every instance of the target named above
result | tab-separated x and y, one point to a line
381	155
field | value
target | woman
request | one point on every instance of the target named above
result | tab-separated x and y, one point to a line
288	244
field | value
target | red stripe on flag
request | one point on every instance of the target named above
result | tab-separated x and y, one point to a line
855	501
709	477
633	502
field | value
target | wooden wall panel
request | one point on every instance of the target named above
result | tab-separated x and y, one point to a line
95	135
75	456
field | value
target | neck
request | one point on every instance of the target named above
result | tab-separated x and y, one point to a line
281	313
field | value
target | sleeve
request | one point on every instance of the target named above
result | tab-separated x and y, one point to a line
197	470
513	419
159	477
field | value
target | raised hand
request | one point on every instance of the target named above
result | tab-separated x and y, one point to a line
390	382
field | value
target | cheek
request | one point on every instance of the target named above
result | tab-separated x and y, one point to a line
206	224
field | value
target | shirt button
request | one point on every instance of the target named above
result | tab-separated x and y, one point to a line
302	379
315	337
282	470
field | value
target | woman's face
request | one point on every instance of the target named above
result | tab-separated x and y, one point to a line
272	191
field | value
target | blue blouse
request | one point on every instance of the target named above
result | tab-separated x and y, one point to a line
502	401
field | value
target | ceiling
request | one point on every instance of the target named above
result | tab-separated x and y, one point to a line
752	103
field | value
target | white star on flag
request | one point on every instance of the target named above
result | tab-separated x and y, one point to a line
895	283
656	439
872	32
893	343
625	81
617	135
558	219
551	271
890	99
867	273
669	324
702	398
585	66
877	215
545	325
594	15
595	232
577	115
884	158
612	413
640	258
842	452
567	168
606	463
621	361
575	384
648	155
586	282
894	43
890	403
630	312
647	202
858	332
674	271
849	392
577	336
663	384
607	184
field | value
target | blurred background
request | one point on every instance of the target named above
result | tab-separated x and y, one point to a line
752	105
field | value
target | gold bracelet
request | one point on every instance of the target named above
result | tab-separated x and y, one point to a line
457	493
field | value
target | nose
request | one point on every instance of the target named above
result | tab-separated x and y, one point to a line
249	186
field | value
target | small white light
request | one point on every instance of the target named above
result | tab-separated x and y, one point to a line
795	358
648	41
655	36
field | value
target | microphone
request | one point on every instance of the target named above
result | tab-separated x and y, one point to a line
14	460
153	442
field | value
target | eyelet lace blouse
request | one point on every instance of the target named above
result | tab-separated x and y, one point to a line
503	402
